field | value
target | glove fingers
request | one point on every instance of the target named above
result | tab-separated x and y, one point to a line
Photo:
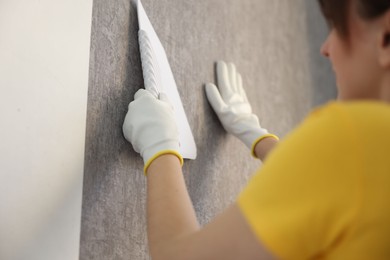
214	98
232	77
223	80
164	97
241	89
141	93
238	82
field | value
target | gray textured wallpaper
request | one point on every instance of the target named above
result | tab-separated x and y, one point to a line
275	46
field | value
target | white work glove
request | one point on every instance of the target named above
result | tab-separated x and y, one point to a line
151	128
231	105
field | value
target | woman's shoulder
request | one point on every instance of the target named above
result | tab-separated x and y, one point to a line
338	127
355	110
358	116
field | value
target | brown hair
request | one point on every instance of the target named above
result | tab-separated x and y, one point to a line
336	11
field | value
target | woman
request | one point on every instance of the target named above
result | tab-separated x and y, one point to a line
321	194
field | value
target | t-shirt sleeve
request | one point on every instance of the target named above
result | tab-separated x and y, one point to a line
304	198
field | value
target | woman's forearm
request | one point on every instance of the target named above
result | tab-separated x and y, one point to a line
264	147
170	214
170	211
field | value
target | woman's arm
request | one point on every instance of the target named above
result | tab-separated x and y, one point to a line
264	147
173	231
170	212
169	209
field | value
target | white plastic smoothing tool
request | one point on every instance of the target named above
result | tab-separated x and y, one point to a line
158	77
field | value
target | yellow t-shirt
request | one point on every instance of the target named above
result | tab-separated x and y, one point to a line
324	192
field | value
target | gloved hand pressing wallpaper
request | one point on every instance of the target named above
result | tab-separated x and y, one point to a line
231	105
151	128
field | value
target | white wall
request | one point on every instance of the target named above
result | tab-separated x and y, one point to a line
44	59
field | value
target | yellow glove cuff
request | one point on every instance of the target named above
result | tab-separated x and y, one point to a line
173	152
258	140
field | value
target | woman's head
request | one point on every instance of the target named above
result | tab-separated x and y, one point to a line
358	46
336	11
